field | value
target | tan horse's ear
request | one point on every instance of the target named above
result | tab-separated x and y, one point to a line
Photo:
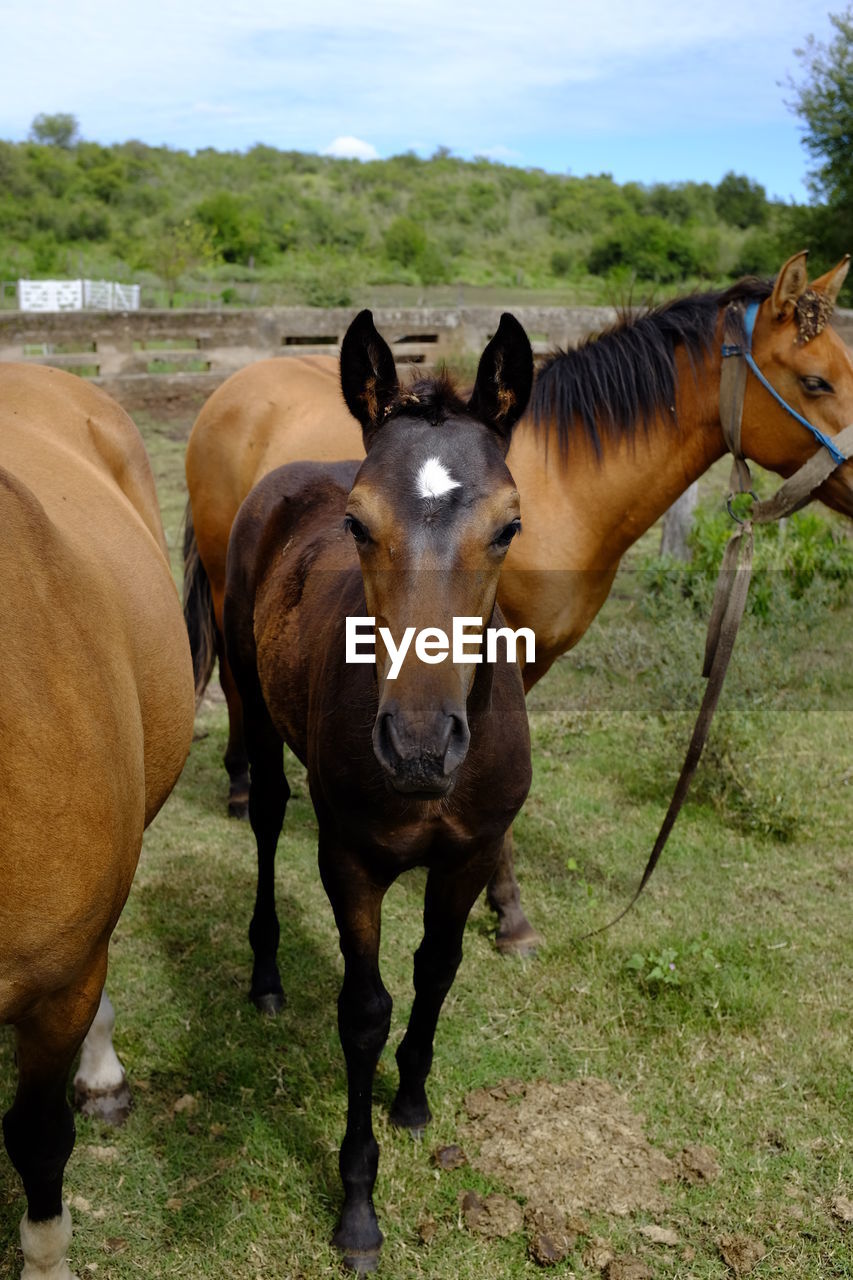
830	283
791	283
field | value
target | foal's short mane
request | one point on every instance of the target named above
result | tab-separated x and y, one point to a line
432	399
617	383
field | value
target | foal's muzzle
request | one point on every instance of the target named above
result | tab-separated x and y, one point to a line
420	760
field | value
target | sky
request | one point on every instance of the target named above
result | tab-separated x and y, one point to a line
647	90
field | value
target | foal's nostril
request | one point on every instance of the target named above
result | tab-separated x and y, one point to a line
458	738
386	743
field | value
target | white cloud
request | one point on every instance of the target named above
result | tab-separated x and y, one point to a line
349	148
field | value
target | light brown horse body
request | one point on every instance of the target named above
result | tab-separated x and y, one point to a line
637	409
96	715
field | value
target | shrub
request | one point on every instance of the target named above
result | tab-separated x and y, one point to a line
651	247
405	240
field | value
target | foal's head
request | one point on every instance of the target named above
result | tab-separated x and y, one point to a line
432	512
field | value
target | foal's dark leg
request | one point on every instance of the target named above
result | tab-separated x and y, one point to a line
236	760
364	1017
516	935
268	796
450	894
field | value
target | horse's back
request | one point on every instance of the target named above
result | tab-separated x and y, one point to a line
270	413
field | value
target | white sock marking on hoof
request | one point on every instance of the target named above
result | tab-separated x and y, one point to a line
44	1246
100	1070
433	479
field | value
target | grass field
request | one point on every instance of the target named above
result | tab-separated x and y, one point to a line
718	1010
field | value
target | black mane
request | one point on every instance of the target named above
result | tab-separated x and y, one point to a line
617	383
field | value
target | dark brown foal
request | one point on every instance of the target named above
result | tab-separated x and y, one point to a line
413	758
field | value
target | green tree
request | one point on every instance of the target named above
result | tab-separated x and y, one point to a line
824	102
176	249
236	229
741	202
57	130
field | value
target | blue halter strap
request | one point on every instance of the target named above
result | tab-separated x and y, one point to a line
734	349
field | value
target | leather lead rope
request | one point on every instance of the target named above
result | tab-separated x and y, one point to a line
732	587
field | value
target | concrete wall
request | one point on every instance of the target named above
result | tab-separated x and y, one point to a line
151	357
172	357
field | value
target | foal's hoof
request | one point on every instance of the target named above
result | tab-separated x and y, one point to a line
111	1106
238	807
523	940
360	1263
358	1238
270	1003
415	1118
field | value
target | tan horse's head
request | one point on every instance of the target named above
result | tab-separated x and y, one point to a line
797	350
432	512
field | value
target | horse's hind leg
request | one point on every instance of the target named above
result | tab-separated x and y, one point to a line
447	903
268	796
516	935
39	1127
100	1085
236	759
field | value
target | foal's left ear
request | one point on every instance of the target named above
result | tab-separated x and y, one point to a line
368	374
504	379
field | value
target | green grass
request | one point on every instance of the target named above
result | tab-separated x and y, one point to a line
743	1046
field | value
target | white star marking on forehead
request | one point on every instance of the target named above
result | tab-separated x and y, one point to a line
434	479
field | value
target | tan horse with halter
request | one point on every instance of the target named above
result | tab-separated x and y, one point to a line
638	411
96	714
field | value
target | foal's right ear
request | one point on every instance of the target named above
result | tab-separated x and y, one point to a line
504	379
368	374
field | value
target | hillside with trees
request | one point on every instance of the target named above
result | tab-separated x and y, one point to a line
268	226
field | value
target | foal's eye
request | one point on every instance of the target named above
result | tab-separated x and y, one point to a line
507	533
816	385
357	529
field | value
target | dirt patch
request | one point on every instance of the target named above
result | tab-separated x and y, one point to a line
627	1268
551	1238
452	1157
741	1253
566	1147
697	1164
494	1217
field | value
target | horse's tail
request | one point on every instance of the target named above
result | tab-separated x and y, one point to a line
198	609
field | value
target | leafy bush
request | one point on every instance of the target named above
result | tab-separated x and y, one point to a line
803	562
405	240
650	246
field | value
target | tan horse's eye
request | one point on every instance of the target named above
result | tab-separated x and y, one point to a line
815	385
